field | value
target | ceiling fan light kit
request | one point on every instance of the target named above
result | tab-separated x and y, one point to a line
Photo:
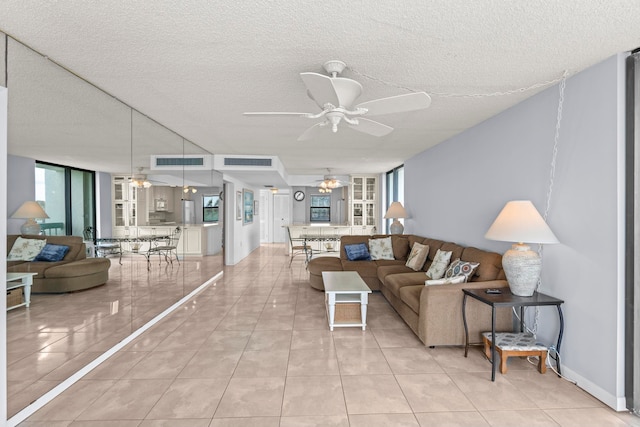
336	96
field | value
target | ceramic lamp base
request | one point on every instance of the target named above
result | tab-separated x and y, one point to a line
396	227
522	266
30	227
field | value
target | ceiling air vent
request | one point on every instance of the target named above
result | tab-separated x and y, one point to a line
182	162
243	161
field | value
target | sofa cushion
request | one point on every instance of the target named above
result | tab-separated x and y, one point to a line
52	253
25	249
490	267
79	268
364	268
401	246
446	281
38	267
456	250
434	245
380	249
387	269
357	252
439	265
350	240
458	267
410	295
324	263
395	282
418	256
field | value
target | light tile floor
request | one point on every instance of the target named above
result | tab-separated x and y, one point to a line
254	349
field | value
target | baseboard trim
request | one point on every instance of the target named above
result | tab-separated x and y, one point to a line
614	402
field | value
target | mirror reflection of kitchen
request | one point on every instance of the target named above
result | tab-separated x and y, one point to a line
210	208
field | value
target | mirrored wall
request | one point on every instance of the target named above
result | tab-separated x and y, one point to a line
151	184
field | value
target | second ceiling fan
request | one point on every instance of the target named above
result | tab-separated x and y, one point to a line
336	95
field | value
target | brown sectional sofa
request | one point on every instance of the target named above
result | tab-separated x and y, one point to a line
75	272
434	313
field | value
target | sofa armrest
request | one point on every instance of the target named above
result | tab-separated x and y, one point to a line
440	319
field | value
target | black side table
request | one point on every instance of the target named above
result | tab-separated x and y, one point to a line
507	299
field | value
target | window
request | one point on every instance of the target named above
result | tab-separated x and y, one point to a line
395	190
210	208
320	210
67	195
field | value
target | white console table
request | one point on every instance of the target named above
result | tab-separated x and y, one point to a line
20	280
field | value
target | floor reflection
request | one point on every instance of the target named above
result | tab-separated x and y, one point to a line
59	334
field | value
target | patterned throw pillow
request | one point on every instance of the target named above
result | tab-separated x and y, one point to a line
357	252
418	256
52	253
461	268
439	264
449	281
25	249
381	248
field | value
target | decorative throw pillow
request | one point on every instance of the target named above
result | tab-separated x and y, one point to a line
439	264
25	249
381	248
461	268
357	252
52	253
418	256
448	281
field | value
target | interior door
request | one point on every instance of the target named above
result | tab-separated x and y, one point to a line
281	217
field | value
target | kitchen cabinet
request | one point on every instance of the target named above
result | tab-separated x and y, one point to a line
363	201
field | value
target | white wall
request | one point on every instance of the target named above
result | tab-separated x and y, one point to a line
455	190
240	240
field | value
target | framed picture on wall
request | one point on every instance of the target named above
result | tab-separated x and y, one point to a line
247	197
238	205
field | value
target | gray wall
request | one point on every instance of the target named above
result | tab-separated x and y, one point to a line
455	190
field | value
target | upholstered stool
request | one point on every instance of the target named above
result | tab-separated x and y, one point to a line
515	344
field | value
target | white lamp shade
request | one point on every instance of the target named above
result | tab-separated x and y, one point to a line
396	210
30	210
519	221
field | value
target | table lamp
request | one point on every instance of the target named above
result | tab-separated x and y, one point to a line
519	221
395	211
30	211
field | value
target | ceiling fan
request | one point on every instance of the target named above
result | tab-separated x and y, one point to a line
336	95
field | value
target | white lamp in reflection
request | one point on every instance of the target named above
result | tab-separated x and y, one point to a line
395	211
519	221
30	211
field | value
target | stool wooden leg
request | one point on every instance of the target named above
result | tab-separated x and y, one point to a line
503	361
487	347
542	362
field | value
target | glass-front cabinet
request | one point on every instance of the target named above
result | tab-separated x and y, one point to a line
363	205
124	205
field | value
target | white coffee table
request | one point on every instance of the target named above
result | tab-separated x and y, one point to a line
19	280
342	287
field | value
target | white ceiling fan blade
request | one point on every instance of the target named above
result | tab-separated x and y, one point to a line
347	90
321	89
312	132
397	104
371	127
274	113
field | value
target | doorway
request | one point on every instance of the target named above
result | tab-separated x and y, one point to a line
281	217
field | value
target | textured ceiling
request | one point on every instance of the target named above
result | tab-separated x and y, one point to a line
196	66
